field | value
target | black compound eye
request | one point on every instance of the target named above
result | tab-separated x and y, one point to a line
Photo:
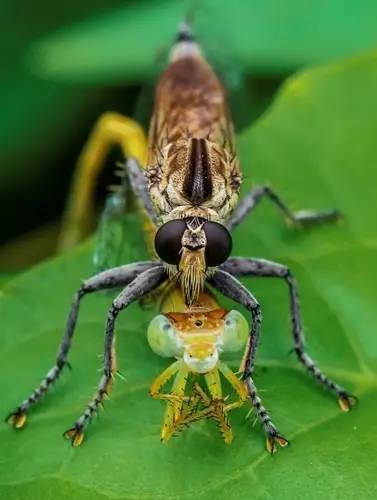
168	241
219	243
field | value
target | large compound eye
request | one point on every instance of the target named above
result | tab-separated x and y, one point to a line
219	243
168	241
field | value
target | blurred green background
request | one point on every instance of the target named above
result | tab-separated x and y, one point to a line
302	80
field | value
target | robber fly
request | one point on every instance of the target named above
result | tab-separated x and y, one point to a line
189	193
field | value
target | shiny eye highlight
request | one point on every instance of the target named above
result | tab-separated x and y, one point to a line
168	241
219	243
236	332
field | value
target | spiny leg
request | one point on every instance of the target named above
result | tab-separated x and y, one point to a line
181	409
301	218
171	421
232	288
184	409
265	268
217	402
237	385
78	437
139	186
119	276
195	407
112	129
202	406
142	284
162	379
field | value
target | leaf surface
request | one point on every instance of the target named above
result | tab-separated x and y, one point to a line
316	147
266	37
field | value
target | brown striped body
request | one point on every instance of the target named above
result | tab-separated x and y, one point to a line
192	163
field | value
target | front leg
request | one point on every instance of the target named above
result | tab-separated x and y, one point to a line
112	278
265	268
301	218
142	284
232	288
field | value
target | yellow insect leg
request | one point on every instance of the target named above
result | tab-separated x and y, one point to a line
111	130
162	379
174	398
213	381
214	386
174	406
237	385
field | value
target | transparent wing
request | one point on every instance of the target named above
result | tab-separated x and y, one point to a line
111	232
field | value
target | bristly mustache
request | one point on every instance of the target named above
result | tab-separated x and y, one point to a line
192	274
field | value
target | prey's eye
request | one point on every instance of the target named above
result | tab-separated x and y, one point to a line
219	243
168	241
162	337
236	331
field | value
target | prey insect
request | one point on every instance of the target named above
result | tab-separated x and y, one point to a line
189	193
196	336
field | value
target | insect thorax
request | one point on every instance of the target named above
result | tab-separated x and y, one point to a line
195	178
193	168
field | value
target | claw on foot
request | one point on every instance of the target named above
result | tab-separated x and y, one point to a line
76	436
274	439
17	419
346	402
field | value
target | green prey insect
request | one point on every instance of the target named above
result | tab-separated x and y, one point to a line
187	181
196	337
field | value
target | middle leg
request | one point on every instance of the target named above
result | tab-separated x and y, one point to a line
142	284
301	218
265	268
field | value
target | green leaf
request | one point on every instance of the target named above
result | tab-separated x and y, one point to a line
264	37
5	277
316	147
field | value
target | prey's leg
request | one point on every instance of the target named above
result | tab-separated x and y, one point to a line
301	218
194	407
264	268
142	284
119	276
111	130
181	409
232	288
237	385
162	379
172	421
217	403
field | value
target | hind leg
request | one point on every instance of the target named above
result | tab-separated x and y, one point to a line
264	268
139	286
301	218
